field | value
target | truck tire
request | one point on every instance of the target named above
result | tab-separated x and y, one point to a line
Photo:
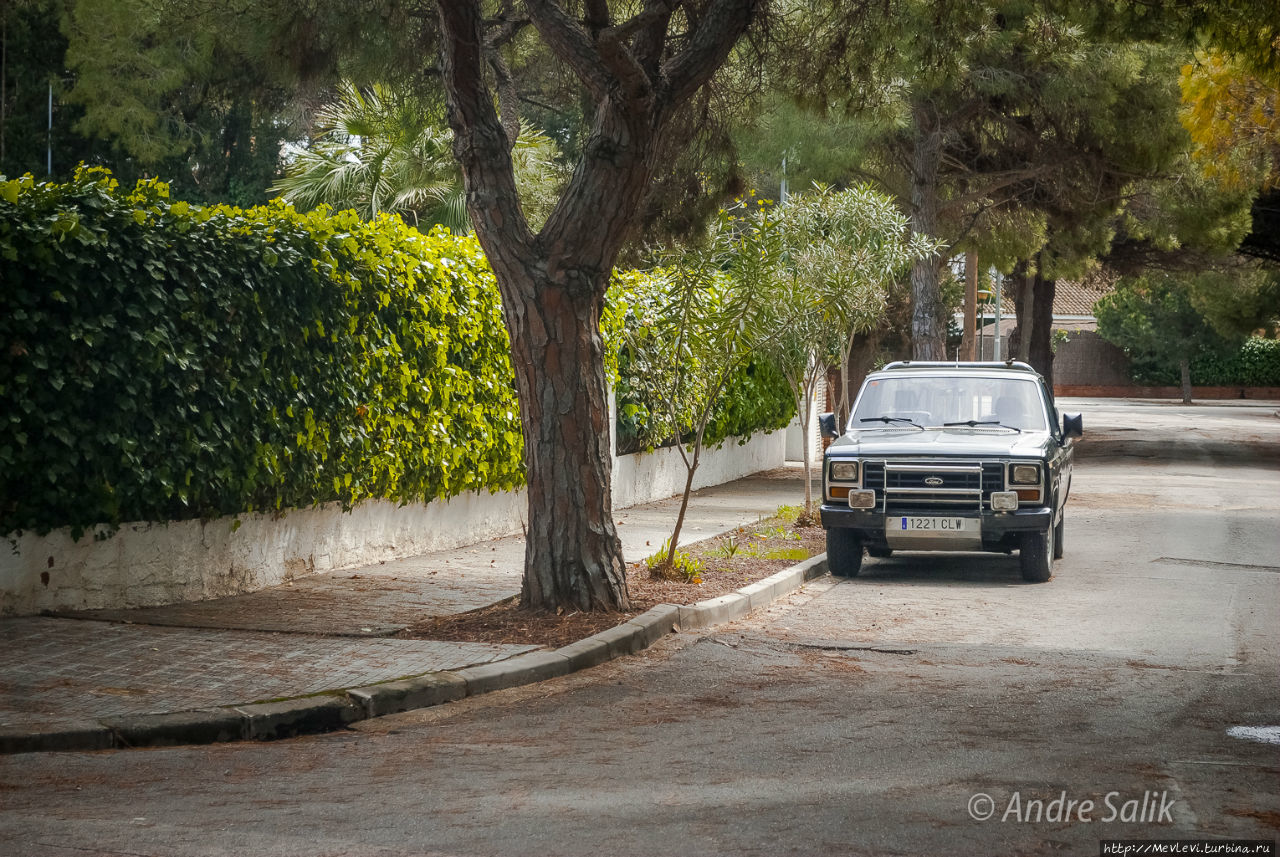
844	552
1036	556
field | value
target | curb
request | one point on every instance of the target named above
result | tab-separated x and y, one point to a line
266	721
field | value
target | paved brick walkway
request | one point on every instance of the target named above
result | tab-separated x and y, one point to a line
88	670
375	601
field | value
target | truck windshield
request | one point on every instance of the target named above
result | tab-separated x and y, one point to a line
961	402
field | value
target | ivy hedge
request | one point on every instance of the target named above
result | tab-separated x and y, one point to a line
161	361
1256	363
756	397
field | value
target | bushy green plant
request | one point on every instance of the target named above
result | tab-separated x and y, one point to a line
789	514
755	398
674	565
163	361
1256	363
727	547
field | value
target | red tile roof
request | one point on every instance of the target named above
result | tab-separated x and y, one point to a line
1072	297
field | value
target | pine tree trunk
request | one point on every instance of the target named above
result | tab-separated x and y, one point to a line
1032	339
1040	349
572	552
969	337
928	336
1027	313
1022	322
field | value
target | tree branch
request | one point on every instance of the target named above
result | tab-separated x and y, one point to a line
998	181
571	43
508	98
717	32
650	30
480	142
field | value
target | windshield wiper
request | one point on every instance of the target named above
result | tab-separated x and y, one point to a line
972	423
892	420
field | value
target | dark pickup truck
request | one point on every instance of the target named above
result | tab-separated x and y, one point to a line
949	457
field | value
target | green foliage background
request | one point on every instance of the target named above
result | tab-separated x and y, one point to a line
1255	364
756	397
1161	319
162	361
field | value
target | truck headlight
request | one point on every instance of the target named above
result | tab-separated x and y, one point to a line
1024	474
862	499
1004	501
844	471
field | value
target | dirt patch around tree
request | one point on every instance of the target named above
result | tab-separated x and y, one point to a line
724	564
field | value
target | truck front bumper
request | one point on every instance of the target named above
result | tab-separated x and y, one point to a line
997	530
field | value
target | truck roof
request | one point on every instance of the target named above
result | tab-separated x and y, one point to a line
1003	365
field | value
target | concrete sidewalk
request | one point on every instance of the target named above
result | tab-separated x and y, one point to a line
285	656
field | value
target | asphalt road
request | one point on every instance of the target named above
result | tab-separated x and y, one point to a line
882	715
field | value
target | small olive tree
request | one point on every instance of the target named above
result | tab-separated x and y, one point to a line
840	252
701	322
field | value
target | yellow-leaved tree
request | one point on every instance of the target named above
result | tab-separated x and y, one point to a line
1233	115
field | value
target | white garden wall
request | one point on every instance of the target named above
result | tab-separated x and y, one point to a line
146	564
645	477
149	564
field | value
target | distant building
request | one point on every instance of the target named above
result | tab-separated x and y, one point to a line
1084	357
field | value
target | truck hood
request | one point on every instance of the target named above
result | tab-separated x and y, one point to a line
940	443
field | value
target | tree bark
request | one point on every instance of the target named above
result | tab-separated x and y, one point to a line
553	283
1020	333
928	336
1032	339
968	340
862	357
572	553
1027	313
1185	366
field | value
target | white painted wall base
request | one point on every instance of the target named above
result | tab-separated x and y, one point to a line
648	476
147	564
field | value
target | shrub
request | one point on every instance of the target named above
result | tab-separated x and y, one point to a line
756	397
1256	363
677	565
163	361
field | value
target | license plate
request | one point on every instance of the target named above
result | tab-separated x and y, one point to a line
924	525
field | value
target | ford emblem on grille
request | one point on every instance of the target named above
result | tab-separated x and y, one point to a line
933	481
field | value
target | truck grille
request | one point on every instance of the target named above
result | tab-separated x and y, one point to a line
927	487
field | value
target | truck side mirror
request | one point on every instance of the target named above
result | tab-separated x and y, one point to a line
1072	426
827	425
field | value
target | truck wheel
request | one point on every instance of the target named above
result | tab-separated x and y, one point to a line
1059	537
1036	556
844	552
